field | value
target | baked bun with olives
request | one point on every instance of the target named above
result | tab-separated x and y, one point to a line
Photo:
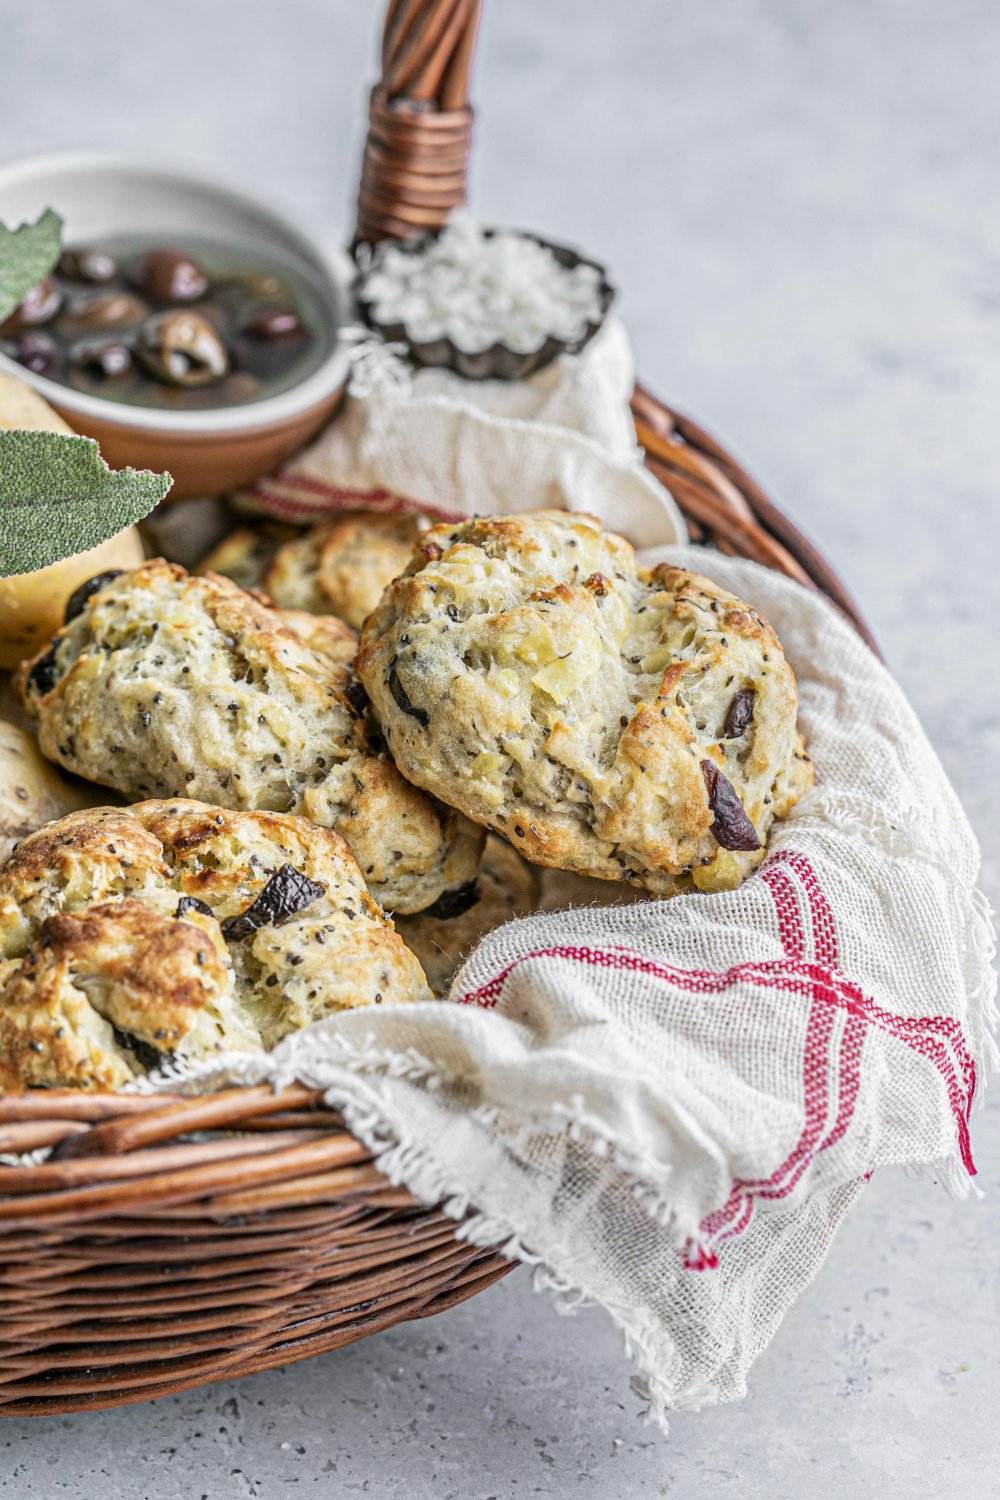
443	937
177	930
341	567
606	719
163	684
244	554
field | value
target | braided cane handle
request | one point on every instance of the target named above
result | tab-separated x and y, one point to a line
419	120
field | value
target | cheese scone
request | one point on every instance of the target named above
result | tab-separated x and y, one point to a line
621	723
163	684
342	566
244	554
174	929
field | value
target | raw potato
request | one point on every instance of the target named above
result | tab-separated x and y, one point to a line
32	604
23	410
32	791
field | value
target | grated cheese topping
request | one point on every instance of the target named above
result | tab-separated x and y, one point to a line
479	291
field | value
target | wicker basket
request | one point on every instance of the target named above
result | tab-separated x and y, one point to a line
169	1242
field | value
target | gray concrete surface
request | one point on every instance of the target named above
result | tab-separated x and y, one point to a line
801	202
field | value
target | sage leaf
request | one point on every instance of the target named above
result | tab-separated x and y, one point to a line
26	255
58	497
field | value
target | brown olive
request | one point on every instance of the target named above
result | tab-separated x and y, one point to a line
35	351
102	359
39	306
739	714
731	825
275	323
87	264
182	348
149	323
170	276
102	312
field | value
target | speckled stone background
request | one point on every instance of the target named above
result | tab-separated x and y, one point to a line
802	203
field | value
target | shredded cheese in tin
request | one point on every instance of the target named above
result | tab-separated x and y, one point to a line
479	290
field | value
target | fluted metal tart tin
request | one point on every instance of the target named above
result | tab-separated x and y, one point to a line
499	361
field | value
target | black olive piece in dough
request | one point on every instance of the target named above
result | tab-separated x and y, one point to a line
45	673
454	903
402	701
193	903
739	714
84	592
732	828
286	893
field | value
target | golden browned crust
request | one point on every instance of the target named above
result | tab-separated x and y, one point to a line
332	640
167	684
71	864
528	671
342	566
118	945
151	978
245	553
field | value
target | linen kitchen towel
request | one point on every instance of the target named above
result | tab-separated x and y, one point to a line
430	440
668	1107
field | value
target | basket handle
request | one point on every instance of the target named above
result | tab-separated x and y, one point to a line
419	120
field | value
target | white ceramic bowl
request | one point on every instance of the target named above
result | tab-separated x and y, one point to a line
100	195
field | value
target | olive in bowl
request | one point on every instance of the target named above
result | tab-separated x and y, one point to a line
211	348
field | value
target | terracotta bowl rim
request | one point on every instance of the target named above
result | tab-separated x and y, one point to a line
325	258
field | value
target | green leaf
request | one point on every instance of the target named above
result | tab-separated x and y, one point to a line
26	255
58	497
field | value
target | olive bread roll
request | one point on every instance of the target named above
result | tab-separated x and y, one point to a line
162	684
606	719
341	567
175	929
244	554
